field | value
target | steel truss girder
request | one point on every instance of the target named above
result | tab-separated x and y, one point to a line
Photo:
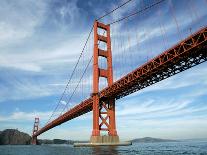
186	54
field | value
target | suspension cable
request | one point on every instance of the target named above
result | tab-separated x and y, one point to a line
79	80
108	13
172	9
137	12
71	74
78	84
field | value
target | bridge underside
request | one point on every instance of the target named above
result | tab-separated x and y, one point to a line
184	61
186	54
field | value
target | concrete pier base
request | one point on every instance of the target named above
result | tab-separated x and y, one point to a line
103	141
34	141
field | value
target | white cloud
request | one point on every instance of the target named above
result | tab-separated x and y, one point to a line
18	25
170	129
63	102
40	60
20	116
19	20
25	89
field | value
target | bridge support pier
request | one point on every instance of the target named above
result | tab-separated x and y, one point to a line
34	141
105	139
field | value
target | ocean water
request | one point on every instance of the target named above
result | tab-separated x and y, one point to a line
171	148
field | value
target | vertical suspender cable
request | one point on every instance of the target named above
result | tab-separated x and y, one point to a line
175	19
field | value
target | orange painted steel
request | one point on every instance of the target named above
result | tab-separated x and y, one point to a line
184	55
103	110
78	110
35	129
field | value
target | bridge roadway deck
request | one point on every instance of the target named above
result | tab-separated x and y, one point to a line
184	55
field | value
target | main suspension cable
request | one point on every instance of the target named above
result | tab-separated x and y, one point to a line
108	13
77	84
137	12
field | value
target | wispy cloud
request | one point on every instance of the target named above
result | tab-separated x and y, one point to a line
20	116
21	24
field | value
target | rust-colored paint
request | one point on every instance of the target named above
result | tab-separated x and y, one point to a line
100	117
35	129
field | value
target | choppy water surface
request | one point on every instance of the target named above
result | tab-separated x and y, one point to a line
172	148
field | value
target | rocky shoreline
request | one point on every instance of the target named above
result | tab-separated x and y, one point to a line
15	137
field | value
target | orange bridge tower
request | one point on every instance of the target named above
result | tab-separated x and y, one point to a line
103	109
35	129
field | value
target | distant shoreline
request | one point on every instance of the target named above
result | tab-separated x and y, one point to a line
152	140
15	137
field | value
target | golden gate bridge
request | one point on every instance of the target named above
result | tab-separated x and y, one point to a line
189	51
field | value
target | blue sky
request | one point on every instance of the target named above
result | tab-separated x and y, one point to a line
40	42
